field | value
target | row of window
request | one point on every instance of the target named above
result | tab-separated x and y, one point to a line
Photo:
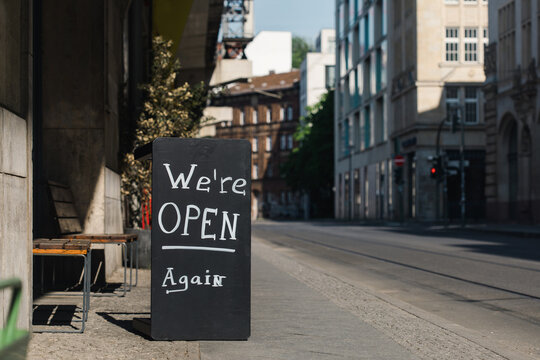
365	127
285	113
371	21
286	143
465	98
369	124
360	41
367	79
508	24
470	43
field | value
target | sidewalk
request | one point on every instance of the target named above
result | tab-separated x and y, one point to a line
297	313
109	332
291	320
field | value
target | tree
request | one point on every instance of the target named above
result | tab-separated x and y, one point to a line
310	166
170	110
300	48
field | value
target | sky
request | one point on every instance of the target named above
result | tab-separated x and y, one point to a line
304	18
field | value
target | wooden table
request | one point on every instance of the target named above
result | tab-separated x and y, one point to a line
67	247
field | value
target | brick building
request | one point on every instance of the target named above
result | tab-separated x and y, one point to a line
265	112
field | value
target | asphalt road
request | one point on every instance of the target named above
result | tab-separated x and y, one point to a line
486	283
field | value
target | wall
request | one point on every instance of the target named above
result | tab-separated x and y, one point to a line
313	83
15	209
82	76
15	153
270	51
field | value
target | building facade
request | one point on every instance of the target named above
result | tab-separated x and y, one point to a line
362	147
409	66
317	71
270	51
265	111
69	100
512	112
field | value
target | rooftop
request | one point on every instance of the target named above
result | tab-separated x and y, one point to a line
266	83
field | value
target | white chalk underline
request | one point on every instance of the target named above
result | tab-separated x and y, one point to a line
203	248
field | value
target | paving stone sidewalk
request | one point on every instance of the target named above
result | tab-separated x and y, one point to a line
298	312
109	333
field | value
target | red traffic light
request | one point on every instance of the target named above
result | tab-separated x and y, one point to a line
433	170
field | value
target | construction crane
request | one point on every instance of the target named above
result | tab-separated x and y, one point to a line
236	27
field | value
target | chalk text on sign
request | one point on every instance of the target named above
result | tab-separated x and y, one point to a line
193	213
182	282
226	185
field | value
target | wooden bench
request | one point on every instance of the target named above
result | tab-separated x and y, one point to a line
69	227
66	247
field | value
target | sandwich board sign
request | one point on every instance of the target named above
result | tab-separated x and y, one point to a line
201	239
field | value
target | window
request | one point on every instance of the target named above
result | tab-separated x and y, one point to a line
269	170
357	131
451	1
367	77
283	197
452	100
255	171
452	44
282	113
471	105
361	37
380	120
268	143
255	115
290	197
367	128
349	51
367	34
330	76
469	1
289	142
241	122
471	45
346	137
269	114
465	99
283	142
289	113
353	5
254	145
381	66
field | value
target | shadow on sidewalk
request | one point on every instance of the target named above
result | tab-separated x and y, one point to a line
118	319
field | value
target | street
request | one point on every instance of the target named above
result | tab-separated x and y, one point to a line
487	286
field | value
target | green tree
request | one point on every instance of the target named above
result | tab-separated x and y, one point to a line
310	166
300	48
170	110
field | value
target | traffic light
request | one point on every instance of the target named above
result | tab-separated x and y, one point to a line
435	171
